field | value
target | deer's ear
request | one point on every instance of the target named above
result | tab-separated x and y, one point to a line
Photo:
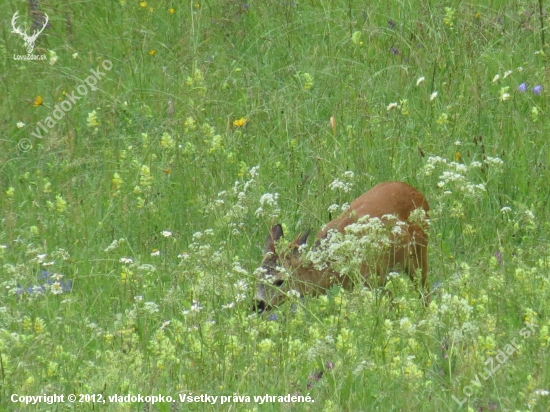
299	241
302	239
275	234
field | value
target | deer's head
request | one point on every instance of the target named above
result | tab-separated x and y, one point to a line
275	281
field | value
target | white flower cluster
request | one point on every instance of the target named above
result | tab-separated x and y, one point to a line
269	206
361	242
240	208
346	184
455	178
454	315
150	307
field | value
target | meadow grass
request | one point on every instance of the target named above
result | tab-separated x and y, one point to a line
132	229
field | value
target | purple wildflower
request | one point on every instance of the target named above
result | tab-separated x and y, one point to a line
498	255
522	88
394	50
246	6
537	90
391	23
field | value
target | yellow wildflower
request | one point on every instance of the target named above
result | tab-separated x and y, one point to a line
240	122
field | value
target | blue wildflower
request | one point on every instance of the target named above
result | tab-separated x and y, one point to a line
522	88
47	282
67	286
537	90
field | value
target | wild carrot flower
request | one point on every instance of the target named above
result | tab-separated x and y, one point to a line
20	125
496	78
150	307
433	96
420	80
392	106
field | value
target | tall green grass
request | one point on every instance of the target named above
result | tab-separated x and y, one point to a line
168	153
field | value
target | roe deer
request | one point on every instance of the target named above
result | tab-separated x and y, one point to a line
383	235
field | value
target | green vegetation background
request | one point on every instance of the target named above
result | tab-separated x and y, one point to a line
131	231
